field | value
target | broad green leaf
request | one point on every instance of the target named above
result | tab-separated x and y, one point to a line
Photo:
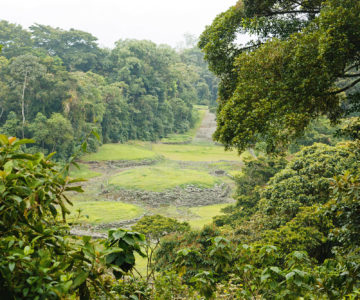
275	269
79	279
93	132
24	141
11	266
289	275
4	140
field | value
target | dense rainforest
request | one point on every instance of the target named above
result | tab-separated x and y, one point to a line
57	85
294	230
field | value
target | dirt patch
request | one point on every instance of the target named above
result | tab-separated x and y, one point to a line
206	129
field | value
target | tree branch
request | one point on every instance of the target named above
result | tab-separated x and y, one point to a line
250	47
345	88
134	269
350	75
351	67
315	11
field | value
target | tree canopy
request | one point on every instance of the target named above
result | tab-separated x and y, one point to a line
303	58
138	90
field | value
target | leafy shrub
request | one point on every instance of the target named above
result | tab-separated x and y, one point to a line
39	258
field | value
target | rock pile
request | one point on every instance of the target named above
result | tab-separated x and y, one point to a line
189	196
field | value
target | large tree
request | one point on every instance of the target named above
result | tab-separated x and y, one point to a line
289	74
14	39
25	69
77	49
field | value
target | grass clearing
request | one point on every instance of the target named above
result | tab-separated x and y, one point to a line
120	152
102	212
84	172
206	214
196	152
160	178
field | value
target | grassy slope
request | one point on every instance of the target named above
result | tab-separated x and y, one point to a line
99	212
194	152
160	178
205	214
84	172
120	152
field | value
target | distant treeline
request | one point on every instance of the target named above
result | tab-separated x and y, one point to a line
58	85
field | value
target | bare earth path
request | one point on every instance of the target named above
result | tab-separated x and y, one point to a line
206	129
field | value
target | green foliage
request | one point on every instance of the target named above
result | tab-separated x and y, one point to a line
123	258
306	180
204	283
169	284
206	83
77	49
308	231
319	131
137	90
254	175
250	183
184	138
38	259
14	39
344	209
309	251
132	288
272	88
187	253
157	226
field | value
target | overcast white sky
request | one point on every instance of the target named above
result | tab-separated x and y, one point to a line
162	21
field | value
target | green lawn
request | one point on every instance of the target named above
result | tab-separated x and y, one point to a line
206	214
196	152
100	212
84	172
120	152
160	178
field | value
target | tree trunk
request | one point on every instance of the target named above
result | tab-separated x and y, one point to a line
23	103
84	293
